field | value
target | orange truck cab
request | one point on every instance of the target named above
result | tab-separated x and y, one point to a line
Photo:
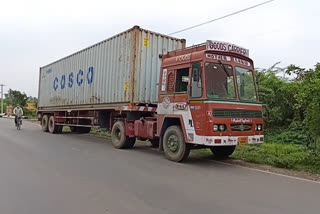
210	91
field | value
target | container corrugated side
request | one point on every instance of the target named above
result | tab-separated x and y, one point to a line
125	69
150	46
67	82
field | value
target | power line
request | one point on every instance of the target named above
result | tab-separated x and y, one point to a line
222	17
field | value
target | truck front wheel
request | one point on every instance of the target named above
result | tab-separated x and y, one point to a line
119	138
174	146
222	152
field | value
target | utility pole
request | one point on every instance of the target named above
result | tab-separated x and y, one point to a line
1	98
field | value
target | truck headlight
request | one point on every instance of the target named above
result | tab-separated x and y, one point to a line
219	127
222	128
259	127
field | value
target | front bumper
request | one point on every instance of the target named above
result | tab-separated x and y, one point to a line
226	140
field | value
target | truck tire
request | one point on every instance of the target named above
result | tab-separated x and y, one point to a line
222	152
174	146
44	123
53	128
119	138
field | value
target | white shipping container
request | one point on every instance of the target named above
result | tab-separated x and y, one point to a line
122	69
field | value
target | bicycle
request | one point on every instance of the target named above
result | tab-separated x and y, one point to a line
19	123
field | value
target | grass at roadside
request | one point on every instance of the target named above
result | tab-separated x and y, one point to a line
100	132
288	156
94	131
66	129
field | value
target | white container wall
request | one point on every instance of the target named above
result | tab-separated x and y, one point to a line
121	69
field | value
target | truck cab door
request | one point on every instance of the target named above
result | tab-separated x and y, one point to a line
174	89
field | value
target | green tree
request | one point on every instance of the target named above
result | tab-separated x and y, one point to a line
34	100
14	97
278	96
309	100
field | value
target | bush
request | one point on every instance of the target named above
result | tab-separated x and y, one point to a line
313	119
100	132
280	155
30	114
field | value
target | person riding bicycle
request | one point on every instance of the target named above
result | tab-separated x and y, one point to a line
18	113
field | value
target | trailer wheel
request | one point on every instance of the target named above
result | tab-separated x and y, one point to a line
222	152
44	123
174	146
53	128
119	138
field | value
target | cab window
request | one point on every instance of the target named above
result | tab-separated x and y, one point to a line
196	87
182	80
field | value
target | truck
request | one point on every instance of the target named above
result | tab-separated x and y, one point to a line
144	85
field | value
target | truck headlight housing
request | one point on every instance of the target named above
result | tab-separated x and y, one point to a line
222	128
219	127
259	127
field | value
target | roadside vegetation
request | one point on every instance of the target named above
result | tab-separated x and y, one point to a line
280	155
14	97
291	98
100	132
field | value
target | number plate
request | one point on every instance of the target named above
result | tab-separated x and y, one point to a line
243	140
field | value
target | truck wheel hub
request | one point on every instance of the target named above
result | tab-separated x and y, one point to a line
173	143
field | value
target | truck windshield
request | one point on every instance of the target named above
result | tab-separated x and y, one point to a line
245	80
219	81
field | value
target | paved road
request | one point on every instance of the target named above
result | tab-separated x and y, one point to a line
42	173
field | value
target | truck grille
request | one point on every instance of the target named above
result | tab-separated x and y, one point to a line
241	127
226	113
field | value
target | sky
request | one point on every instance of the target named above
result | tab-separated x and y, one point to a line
34	33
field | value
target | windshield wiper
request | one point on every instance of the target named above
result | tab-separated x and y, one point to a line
224	68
